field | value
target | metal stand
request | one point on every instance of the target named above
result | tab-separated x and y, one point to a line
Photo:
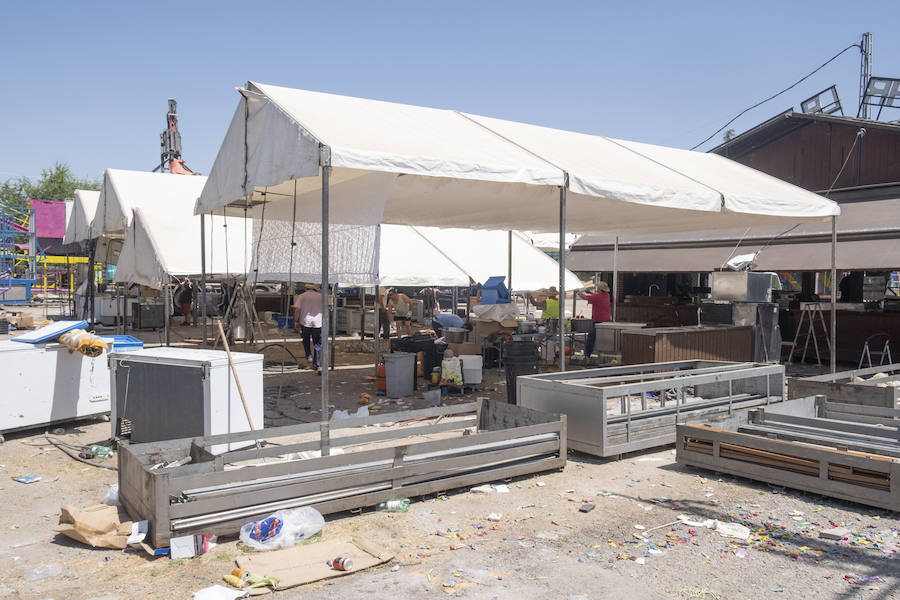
811	316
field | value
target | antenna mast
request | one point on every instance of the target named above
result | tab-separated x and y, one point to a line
865	72
170	139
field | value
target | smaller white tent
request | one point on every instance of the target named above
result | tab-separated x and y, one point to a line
78	221
409	259
163	239
484	253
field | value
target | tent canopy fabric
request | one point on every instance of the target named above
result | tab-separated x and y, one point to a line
868	238
395	163
125	190
78	224
484	253
406	256
163	239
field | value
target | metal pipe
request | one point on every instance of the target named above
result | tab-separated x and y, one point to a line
325	357
376	334
167	298
333	322
203	279
509	262
615	277
834	288
562	275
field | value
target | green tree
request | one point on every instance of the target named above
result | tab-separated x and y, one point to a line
728	135
56	183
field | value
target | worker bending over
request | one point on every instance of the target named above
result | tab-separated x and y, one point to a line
400	307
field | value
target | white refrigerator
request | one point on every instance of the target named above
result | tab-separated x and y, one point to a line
170	393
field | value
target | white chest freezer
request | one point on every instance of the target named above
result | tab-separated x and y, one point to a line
170	393
45	383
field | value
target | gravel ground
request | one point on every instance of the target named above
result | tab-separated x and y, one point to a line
542	547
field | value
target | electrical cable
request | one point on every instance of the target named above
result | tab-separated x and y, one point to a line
760	103
62	448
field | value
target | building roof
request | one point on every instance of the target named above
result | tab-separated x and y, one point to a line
786	122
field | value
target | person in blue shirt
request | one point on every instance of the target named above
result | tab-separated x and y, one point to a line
445	320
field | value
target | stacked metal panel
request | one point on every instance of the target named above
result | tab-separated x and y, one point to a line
615	410
183	488
847	451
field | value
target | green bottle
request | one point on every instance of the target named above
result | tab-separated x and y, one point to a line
401	505
101	451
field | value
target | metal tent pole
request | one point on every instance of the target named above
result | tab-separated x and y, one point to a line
615	277
376	334
203	279
509	263
325	354
834	288
562	275
167	298
333	323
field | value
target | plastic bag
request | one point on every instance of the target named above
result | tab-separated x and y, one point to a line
451	372
112	495
282	529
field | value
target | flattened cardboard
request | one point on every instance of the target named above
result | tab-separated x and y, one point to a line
306	563
98	526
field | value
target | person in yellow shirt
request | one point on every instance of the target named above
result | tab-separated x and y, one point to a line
548	303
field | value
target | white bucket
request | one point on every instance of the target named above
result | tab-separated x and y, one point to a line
471	368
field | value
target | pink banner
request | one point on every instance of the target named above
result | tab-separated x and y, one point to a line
49	218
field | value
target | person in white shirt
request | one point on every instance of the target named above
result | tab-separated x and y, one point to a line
308	317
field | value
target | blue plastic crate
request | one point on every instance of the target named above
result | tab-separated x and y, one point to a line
124	342
285	322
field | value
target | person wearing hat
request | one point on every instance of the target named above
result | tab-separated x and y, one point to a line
308	317
600	312
548	303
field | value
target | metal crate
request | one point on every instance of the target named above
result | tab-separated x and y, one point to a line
622	409
483	441
806	444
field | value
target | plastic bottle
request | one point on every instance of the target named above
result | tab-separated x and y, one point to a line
401	505
101	451
380	378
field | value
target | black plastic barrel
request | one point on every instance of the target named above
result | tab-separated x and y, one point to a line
520	358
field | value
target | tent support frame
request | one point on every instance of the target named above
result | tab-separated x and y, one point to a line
615	277
324	357
203	279
562	275
834	289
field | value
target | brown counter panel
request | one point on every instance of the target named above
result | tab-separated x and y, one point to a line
852	330
662	345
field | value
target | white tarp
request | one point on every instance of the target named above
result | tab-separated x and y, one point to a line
484	253
78	222
407	256
430	167
163	239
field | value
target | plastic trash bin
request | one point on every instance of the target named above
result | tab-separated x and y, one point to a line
400	372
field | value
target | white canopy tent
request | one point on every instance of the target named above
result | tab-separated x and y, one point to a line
78	222
394	163
163	239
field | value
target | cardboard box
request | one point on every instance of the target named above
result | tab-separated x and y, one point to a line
23	321
467	348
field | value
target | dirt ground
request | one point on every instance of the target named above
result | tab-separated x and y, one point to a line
542	546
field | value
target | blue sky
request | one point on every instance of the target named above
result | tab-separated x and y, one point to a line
86	83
